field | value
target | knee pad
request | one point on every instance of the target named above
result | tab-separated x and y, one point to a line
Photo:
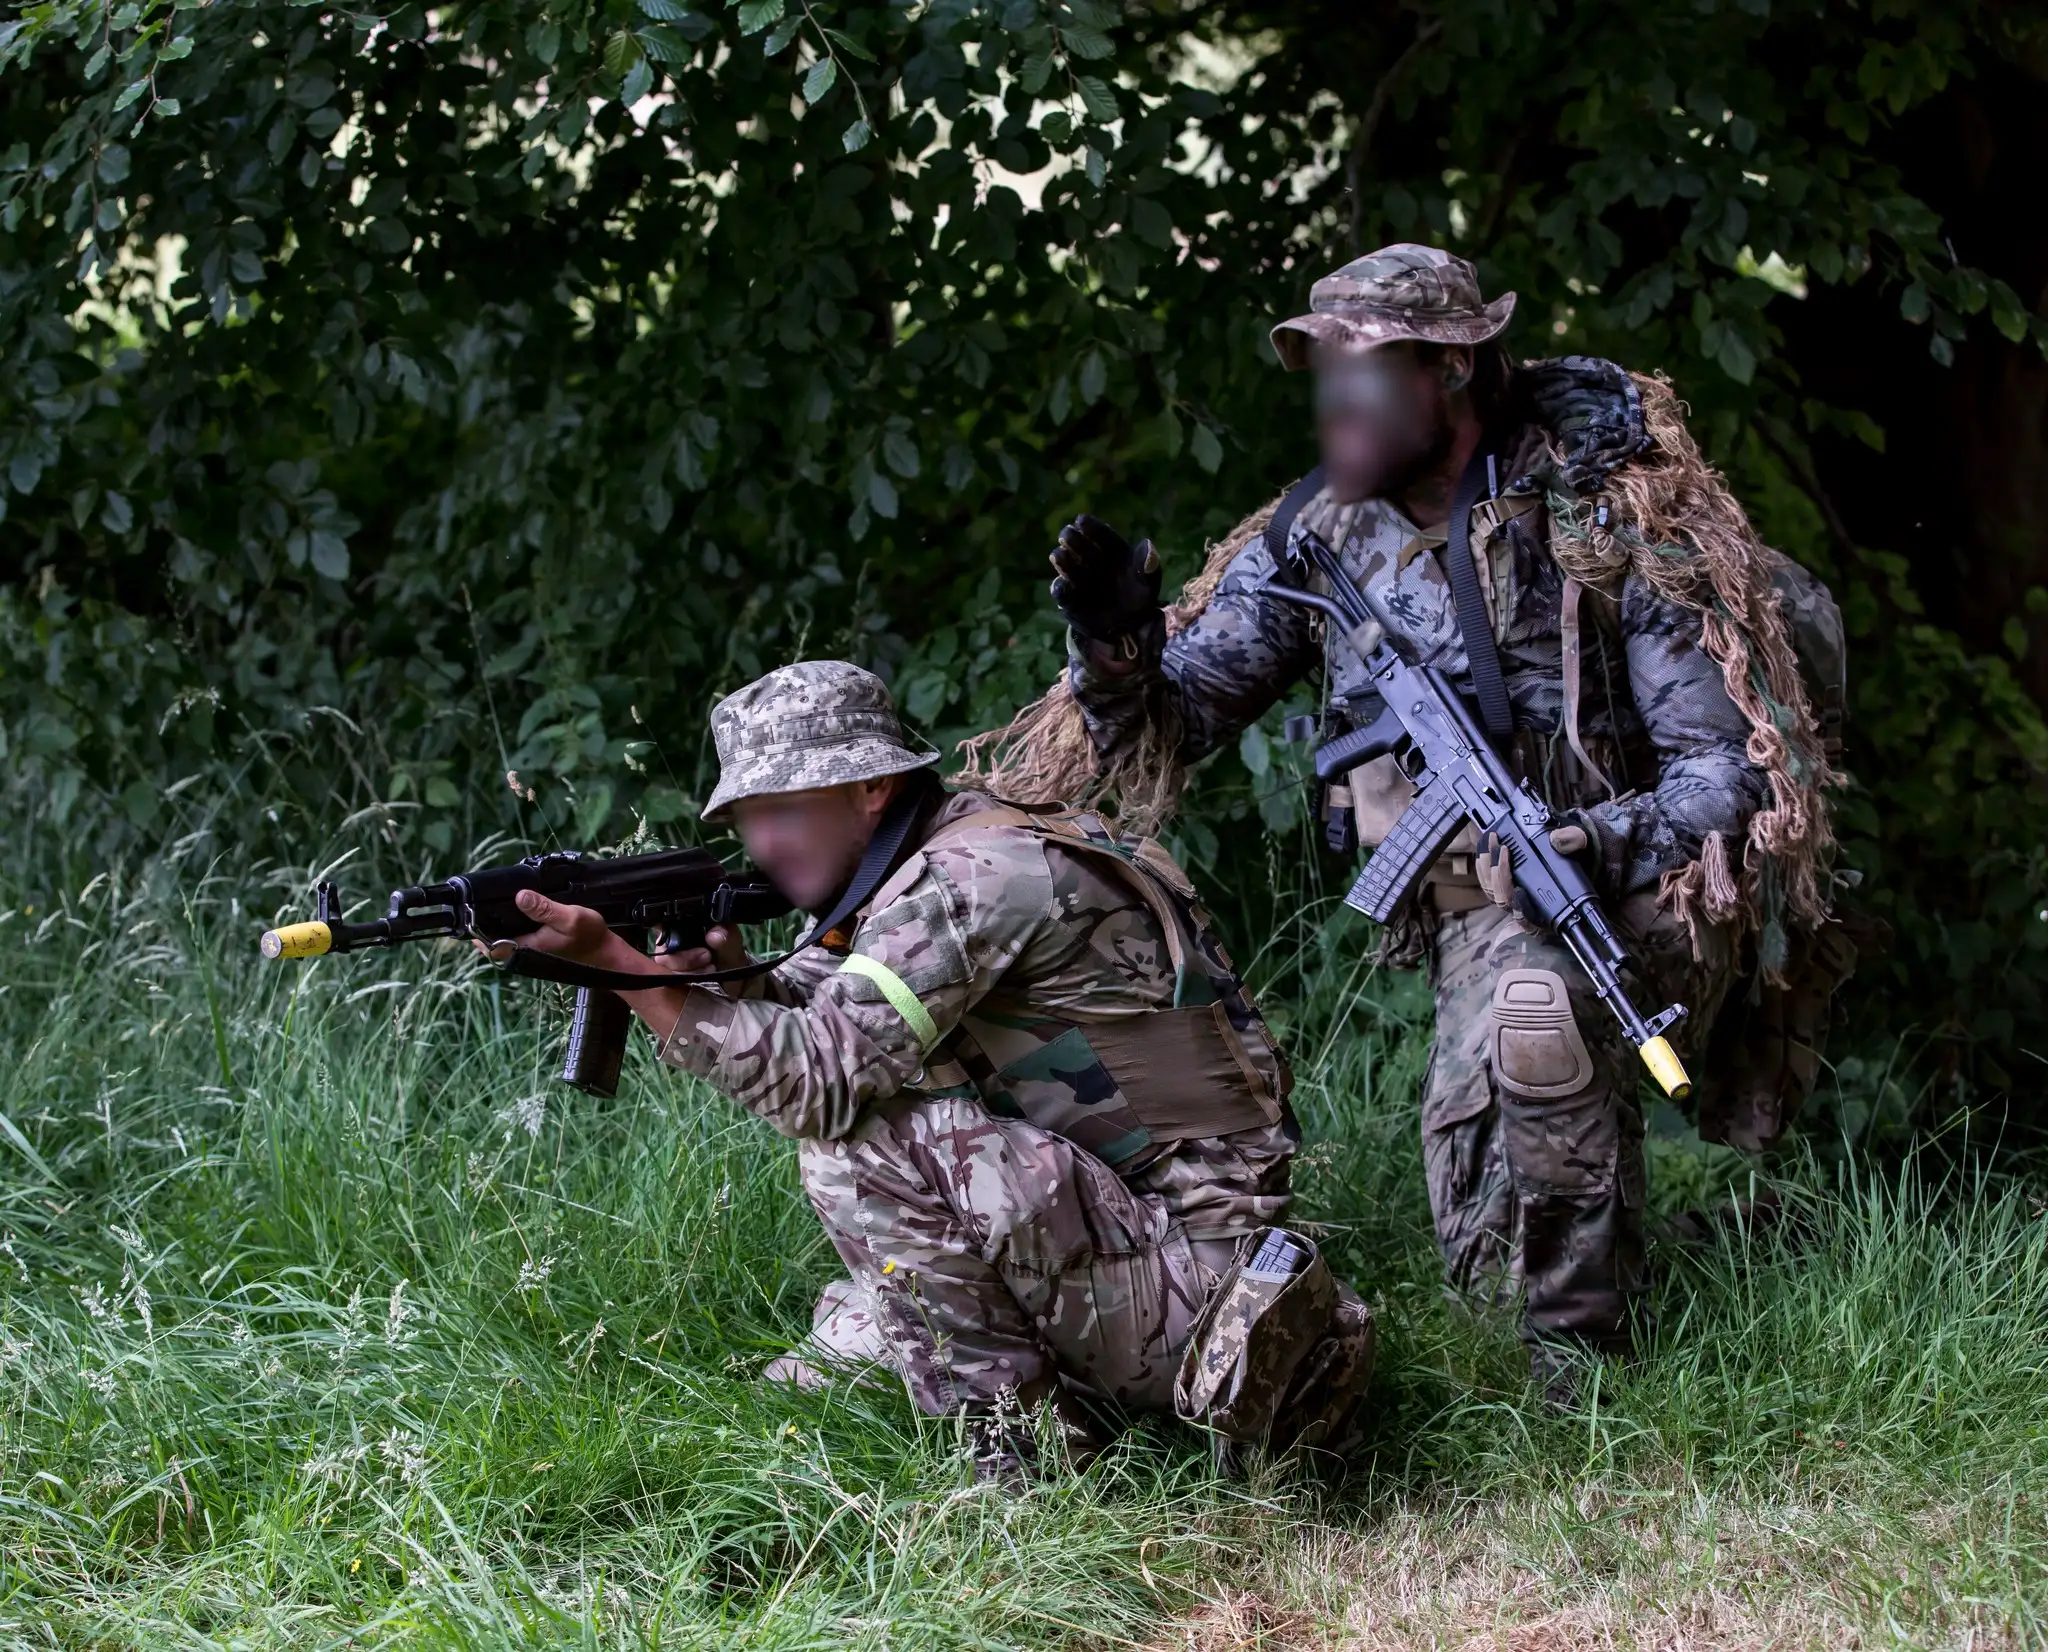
1539	1053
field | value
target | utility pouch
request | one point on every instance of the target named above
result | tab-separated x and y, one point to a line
1272	1306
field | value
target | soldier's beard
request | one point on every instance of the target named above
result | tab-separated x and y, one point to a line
1384	459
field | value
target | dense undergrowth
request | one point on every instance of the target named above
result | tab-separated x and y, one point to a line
326	1313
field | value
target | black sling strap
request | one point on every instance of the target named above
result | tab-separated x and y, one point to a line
877	861
1286	511
1482	653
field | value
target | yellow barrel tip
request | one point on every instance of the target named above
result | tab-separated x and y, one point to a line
1667	1069
296	941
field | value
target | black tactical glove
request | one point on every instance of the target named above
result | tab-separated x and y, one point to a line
1107	587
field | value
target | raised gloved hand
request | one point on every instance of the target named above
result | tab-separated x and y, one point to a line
1107	588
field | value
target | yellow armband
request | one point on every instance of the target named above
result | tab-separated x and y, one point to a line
901	999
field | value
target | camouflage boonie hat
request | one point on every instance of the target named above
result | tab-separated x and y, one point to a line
816	723
1402	291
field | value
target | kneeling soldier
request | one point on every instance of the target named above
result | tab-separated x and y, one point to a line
1041	1119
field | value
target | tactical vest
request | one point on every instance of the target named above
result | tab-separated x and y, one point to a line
1124	1088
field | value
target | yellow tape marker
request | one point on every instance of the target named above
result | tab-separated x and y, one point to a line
296	941
1667	1069
901	998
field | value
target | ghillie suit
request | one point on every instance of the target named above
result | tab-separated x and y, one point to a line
1629	496
1662	679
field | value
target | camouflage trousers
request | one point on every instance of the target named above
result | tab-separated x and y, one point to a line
988	1258
1532	1139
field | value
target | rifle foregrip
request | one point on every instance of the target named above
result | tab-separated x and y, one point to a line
1418	837
597	1042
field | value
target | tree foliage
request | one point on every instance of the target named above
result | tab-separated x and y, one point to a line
401	395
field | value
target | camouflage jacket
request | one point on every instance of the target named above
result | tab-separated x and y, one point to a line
1654	718
1032	963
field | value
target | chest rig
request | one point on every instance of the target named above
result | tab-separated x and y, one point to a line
1125	1087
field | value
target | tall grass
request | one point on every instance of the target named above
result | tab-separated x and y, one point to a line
326	1314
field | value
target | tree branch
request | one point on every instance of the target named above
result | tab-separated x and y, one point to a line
1368	123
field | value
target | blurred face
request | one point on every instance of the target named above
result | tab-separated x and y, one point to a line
1384	419
810	842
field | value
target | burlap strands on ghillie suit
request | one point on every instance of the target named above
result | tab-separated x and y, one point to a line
1670	519
1044	753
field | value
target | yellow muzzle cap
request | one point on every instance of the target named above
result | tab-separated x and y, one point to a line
1667	1069
297	941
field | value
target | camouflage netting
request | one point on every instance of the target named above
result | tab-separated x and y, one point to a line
1674	523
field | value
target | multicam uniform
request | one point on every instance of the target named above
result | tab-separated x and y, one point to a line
1036	1111
1533	1145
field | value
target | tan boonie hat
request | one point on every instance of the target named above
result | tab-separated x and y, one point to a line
1402	291
815	723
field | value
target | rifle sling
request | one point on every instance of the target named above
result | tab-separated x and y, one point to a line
877	861
1286	511
1482	654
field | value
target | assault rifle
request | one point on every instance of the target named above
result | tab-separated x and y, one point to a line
1460	778
682	892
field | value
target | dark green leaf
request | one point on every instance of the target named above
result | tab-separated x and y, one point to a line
1736	358
329	556
756	15
1097	97
820	79
1094	377
852	47
621	52
665	45
901	453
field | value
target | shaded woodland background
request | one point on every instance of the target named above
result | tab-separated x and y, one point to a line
398	396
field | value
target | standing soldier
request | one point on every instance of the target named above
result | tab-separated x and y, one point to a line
1549	538
1039	1116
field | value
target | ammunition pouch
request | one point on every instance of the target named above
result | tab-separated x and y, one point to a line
1278	1360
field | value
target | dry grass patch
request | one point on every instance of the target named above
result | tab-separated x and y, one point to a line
1567	1573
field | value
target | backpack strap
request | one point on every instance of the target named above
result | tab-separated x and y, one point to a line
1569	632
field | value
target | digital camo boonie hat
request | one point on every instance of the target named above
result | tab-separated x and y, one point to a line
1402	291
815	723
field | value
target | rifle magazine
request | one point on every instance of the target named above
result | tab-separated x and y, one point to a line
1410	849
